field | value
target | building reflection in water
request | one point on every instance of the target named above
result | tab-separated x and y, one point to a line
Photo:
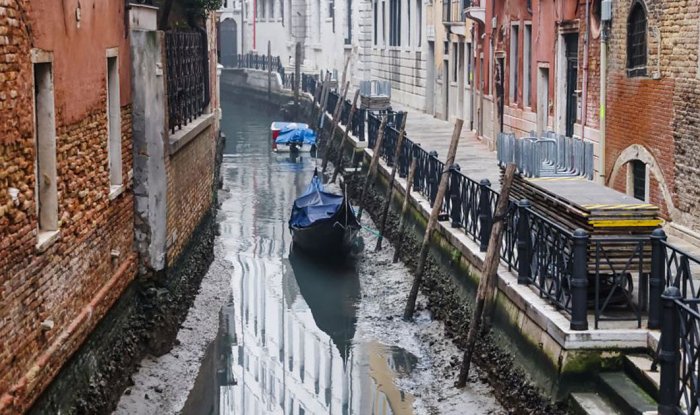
287	343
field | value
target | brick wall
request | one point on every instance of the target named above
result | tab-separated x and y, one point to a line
191	168
60	283
654	113
680	37
76	280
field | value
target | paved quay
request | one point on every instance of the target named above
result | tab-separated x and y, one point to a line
478	162
473	155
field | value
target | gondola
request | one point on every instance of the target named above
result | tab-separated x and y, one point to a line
323	223
292	137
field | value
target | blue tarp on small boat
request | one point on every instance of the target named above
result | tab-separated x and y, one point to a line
293	134
314	205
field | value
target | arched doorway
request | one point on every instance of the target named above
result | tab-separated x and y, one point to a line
228	41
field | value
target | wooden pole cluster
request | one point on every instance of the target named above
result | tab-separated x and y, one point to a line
348	128
372	166
334	126
404	207
324	99
487	283
432	221
390	189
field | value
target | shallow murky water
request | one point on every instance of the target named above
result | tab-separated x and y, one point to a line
287	339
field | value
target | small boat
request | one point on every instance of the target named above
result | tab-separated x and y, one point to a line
292	136
323	223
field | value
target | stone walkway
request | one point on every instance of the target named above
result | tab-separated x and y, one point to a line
473	156
476	160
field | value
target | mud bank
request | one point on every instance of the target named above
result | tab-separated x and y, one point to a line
144	321
449	301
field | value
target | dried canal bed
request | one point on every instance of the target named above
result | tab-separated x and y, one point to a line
273	332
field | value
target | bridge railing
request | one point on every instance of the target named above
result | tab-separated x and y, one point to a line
261	62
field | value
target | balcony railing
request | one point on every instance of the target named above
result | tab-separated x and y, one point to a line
187	76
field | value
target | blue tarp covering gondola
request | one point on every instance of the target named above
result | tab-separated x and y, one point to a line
291	135
314	205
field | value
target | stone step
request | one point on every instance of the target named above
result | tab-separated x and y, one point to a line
625	394
591	403
638	367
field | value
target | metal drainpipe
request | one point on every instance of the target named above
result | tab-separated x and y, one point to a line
584	112
603	93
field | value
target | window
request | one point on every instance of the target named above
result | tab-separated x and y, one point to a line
376	25
410	23
455	60
638	186
419	25
637	41
317	25
331	9
527	64
513	84
383	23
114	136
348	24
470	75
45	130
394	22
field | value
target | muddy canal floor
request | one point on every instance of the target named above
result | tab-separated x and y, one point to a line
273	331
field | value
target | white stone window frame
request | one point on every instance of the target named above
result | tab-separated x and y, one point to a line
49	233
114	123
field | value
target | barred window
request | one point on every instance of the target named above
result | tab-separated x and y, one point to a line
637	41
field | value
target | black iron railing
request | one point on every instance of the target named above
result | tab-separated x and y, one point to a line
679	354
569	269
261	62
187	76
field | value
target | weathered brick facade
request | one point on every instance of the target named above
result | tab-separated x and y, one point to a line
54	293
190	168
644	110
77	278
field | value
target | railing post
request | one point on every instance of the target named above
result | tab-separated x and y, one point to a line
579	281
524	243
455	197
669	355
433	176
657	279
485	214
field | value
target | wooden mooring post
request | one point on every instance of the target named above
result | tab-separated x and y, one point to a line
372	166
324	100
348	127
489	275
297	77
269	73
390	189
432	221
334	126
404	207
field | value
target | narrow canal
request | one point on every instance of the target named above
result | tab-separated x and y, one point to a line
296	336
